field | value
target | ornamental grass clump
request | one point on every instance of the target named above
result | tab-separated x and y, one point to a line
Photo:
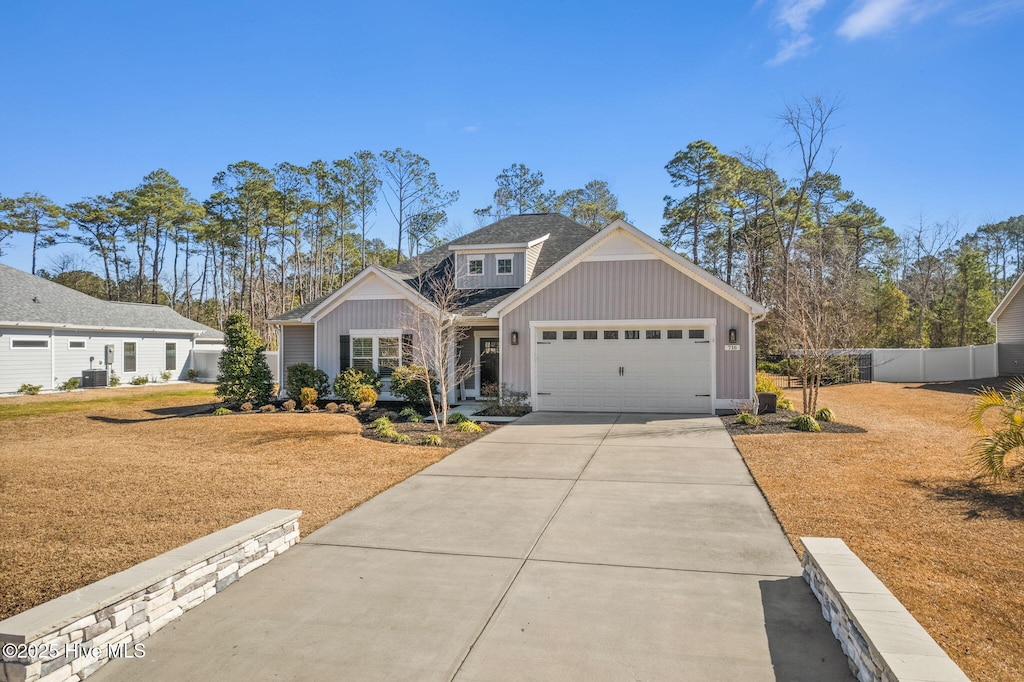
468	426
805	422
825	414
748	418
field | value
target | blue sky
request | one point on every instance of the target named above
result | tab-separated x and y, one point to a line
97	94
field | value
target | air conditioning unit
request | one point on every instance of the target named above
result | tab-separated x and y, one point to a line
94	378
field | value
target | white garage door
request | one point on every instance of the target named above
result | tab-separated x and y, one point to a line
623	369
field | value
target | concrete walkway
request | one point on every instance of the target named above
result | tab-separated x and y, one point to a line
560	547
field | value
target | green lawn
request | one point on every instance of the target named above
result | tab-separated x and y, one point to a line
79	401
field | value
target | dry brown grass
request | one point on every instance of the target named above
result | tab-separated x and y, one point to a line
902	497
110	483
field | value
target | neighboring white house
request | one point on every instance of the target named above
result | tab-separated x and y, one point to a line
50	333
1008	317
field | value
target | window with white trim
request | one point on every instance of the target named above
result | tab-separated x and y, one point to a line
380	353
30	343
475	265
504	264
130	349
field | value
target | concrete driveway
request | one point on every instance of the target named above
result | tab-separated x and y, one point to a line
560	547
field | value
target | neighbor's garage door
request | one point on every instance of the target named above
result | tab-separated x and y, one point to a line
623	369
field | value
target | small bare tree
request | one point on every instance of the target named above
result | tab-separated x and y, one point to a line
436	335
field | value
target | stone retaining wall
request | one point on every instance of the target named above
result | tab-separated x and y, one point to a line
70	637
882	641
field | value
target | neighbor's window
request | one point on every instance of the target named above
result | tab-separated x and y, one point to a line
696	333
653	333
549	336
590	335
362	353
129	356
170	356
568	336
632	333
611	335
388	354
476	266
505	265
675	333
30	343
76	344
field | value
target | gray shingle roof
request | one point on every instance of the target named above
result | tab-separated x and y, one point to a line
564	235
29	299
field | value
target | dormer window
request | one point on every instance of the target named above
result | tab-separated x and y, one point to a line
476	265
504	264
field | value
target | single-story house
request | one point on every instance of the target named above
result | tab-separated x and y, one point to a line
1008	317
576	320
50	333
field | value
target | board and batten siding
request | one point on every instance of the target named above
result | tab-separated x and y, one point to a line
629	290
297	344
532	254
1010	337
490	279
387	313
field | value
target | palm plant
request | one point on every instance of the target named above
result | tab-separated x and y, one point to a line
991	449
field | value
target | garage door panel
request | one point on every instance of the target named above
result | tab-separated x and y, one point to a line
661	374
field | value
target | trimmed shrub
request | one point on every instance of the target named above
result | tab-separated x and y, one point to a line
140	380
765	384
307	396
457	418
468	427
165	376
504	402
431	439
366	396
192	374
221	411
268	408
825	414
288	406
805	422
348	383
303	375
310	408
331	407
243	374
407	382
71	384
245	407
748	418
30	389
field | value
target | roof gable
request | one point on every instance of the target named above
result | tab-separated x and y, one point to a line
373	283
622	241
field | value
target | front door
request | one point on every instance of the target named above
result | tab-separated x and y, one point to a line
488	361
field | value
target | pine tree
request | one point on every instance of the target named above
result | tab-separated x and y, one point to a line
244	375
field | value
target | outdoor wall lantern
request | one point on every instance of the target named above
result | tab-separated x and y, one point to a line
515	338
732	336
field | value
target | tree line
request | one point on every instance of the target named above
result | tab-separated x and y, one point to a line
266	239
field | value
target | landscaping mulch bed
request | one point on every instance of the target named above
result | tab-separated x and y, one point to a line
778	422
93	482
904	496
450	437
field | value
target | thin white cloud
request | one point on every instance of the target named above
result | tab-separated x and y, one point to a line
990	12
872	17
791	49
472	129
794	16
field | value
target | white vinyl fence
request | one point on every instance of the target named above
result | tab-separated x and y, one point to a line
909	365
204	361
